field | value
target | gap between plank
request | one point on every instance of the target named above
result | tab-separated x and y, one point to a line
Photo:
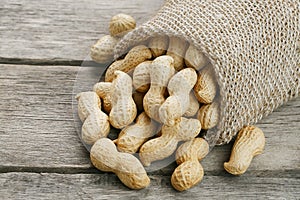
41	62
291	173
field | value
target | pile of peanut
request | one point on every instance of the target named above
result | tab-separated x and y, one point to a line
161	94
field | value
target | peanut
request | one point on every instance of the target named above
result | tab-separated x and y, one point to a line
206	86
161	70
163	146
208	115
105	157
95	122
179	87
134	57
132	137
189	172
103	90
194	58
158	45
141	77
121	24
103	50
193	106
177	48
249	143
123	110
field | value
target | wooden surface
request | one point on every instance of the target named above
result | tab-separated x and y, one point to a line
41	157
44	31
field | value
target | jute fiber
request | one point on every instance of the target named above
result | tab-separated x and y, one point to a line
252	46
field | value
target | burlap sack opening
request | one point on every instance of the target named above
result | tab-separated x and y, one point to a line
251	44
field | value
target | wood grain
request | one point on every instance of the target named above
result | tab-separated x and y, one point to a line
38	133
60	31
37	128
107	186
41	155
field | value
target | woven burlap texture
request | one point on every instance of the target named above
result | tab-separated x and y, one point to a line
251	44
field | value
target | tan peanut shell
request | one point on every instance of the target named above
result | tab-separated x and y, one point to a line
179	87
187	175
158	45
134	57
88	102
193	106
103	90
206	86
161	71
208	115
177	49
195	58
163	146
189	172
123	110
195	149
133	136
141	77
95	122
121	24
249	142
105	157
103	50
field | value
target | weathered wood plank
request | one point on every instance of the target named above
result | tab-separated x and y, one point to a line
63	30
37	129
107	186
35	101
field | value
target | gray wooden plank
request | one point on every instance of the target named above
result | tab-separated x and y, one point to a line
36	118
107	186
63	30
37	128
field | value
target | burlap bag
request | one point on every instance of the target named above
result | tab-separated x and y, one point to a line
251	44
